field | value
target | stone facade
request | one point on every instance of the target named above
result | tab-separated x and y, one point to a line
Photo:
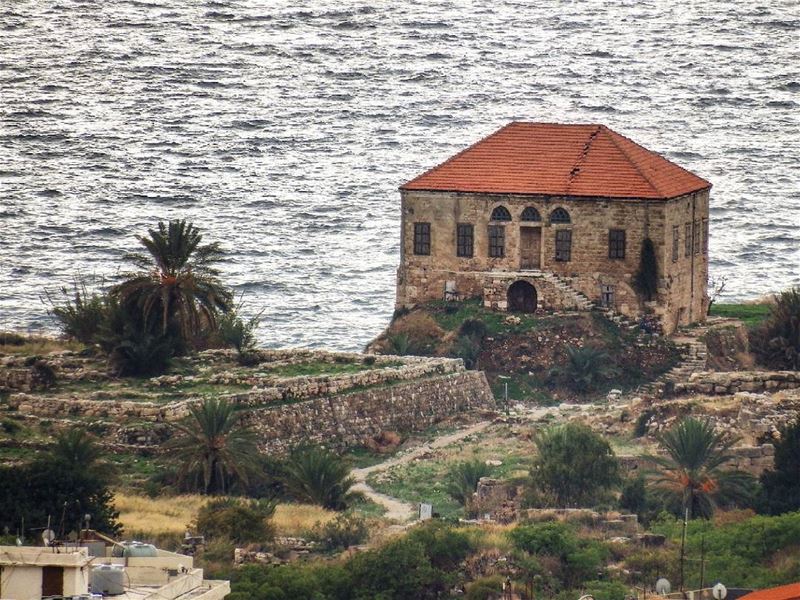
729	383
530	250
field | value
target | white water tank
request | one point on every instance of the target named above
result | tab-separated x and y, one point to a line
108	580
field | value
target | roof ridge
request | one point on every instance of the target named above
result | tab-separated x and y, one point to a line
611	133
458	154
576	168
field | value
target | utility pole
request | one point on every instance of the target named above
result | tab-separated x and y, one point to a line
683	544
703	562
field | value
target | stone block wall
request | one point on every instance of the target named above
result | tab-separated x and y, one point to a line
730	383
350	419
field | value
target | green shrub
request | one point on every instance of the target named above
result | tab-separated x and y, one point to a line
473	328
634	496
468	350
780	486
640	429
574	467
485	588
80	313
239	334
776	341
10	427
142	355
445	546
545	539
237	520
342	532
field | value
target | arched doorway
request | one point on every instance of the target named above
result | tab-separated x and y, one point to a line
522	297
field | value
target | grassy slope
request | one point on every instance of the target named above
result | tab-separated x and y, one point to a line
749	314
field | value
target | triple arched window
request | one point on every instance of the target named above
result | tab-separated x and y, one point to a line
531	214
501	214
559	215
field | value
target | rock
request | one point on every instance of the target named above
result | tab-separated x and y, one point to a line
494	463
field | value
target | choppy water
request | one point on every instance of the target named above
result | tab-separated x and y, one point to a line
284	131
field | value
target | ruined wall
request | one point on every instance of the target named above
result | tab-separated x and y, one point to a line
729	383
422	278
351	419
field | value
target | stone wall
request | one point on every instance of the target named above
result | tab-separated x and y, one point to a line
681	286
730	383
350	419
751	459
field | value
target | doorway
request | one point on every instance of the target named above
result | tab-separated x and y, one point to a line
52	581
522	297
530	247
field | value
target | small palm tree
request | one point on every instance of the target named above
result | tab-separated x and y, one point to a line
692	474
462	480
214	449
585	368
176	281
318	476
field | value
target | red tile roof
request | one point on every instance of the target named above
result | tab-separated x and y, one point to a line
784	592
560	160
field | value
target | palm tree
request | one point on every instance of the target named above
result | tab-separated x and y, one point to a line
214	449
462	480
585	368
176	281
692	474
76	450
318	476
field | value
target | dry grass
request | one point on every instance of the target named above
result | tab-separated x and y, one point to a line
295	519
172	514
156	516
29	345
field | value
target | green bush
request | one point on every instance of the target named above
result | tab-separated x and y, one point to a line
485	588
239	334
776	341
79	312
445	546
475	329
237	520
574	467
342	532
780	486
468	350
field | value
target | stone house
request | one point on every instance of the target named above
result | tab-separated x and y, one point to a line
553	217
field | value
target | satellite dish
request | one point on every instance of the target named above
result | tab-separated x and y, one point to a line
48	535
663	587
719	592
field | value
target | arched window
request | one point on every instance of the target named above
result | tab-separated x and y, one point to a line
501	214
531	214
559	215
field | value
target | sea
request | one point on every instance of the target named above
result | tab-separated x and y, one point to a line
283	130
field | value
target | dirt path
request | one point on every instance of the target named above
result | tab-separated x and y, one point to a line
397	509
403	512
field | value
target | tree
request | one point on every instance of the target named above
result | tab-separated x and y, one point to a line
692	475
318	476
240	521
68	481
176	284
214	449
646	278
780	486
575	467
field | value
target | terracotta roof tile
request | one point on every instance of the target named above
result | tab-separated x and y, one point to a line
559	159
784	592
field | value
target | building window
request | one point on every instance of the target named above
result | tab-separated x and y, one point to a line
464	240
563	245
559	215
497	241
687	242
607	296
697	237
616	243
531	214
501	214
676	234
705	236
422	238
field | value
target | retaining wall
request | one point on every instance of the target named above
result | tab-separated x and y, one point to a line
739	381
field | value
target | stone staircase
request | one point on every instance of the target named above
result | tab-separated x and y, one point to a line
694	355
580	300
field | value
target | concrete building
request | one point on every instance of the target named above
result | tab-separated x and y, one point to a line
550	216
33	573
